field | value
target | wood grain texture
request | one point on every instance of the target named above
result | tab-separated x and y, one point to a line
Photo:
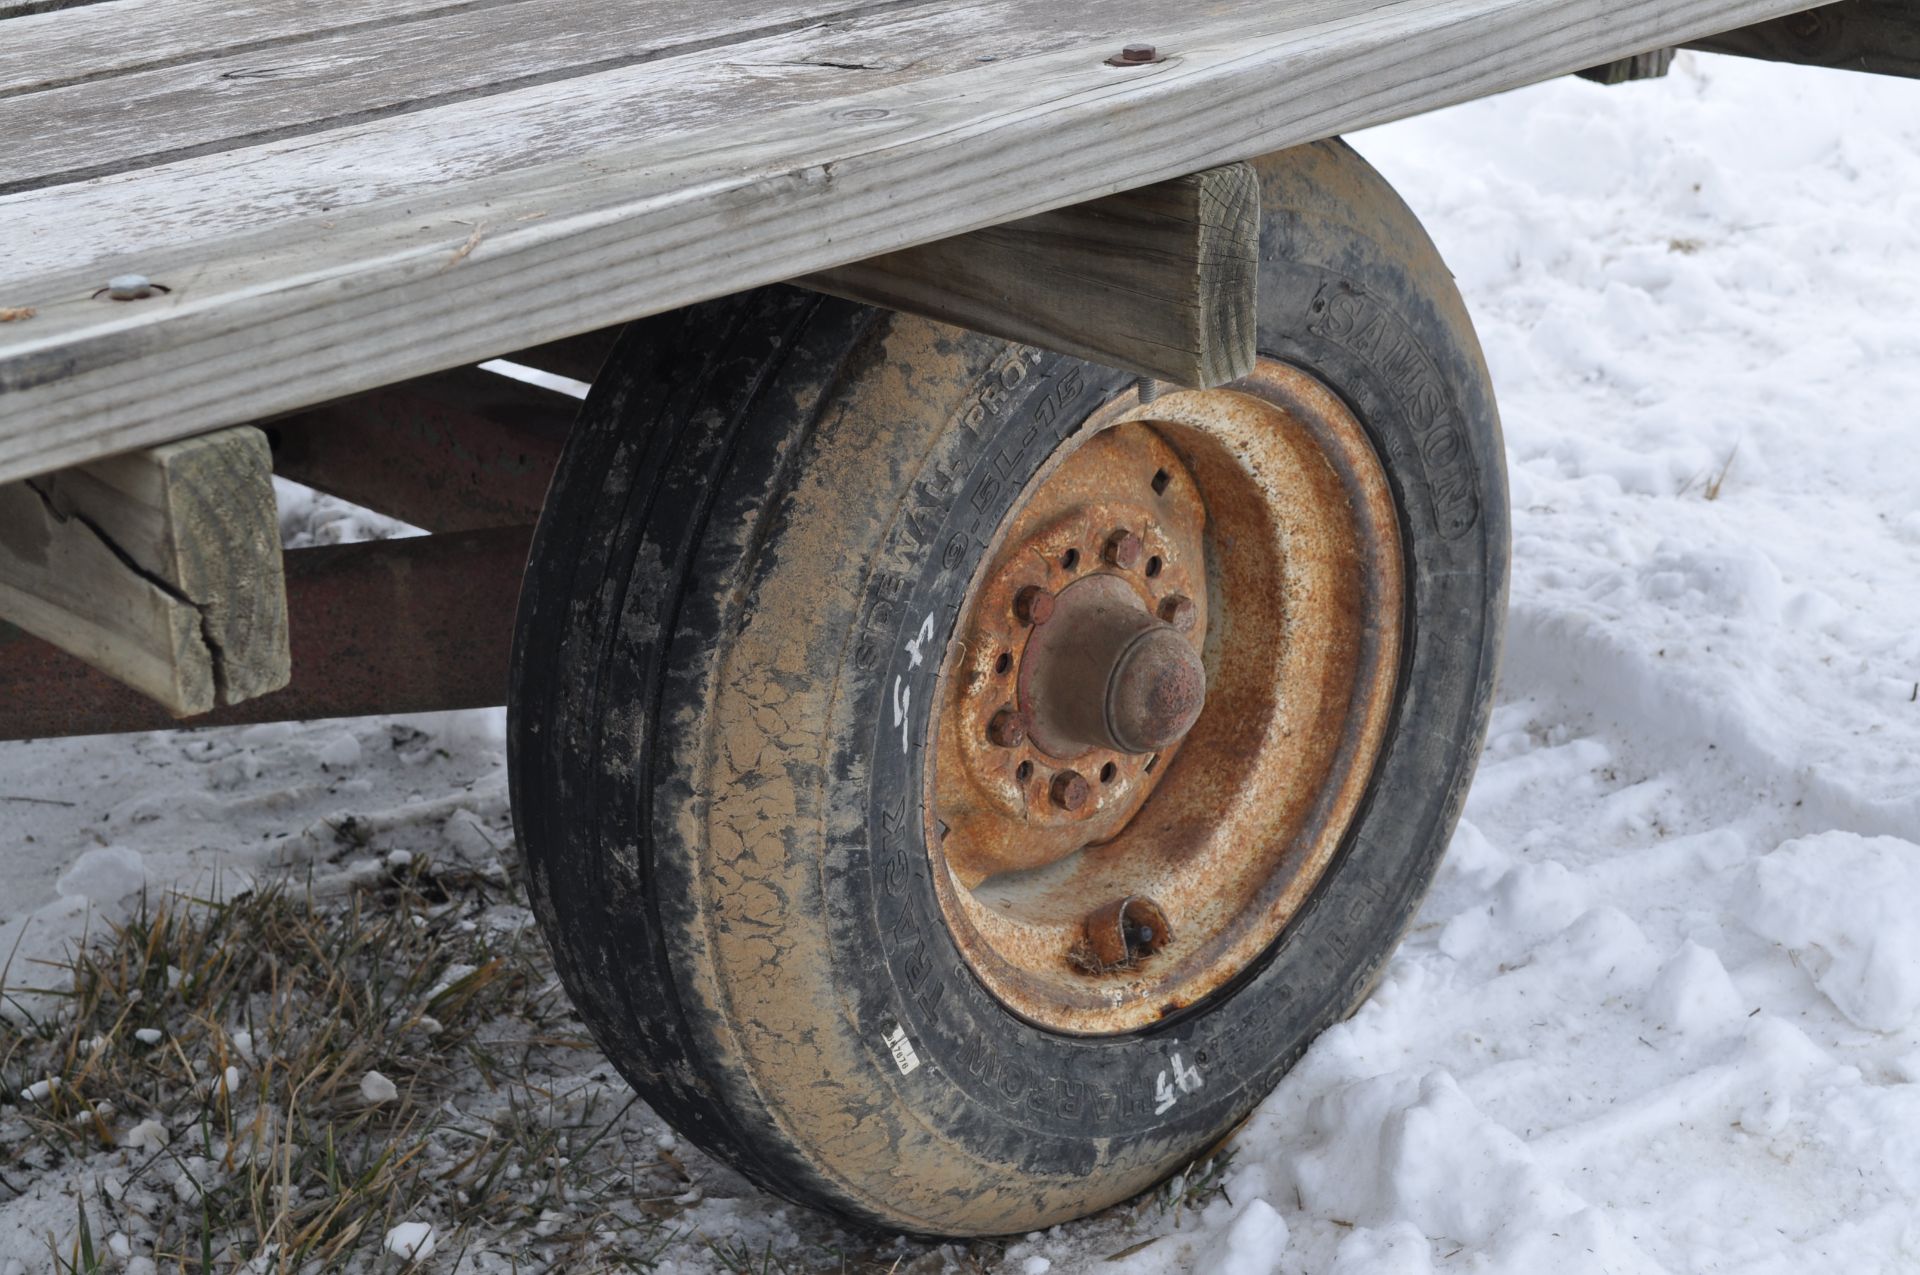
367	72
95	39
417	154
159	567
418	625
28	8
487	254
1881	36
1157	281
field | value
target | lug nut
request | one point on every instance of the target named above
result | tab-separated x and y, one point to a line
1006	729
1033	605
1124	549
1070	791
1178	611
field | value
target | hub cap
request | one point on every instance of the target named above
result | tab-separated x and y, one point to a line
1169	684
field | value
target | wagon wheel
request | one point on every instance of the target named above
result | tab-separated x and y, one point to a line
956	790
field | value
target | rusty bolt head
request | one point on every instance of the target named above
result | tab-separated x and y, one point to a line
1033	605
1070	791
1135	54
1178	611
1124	549
1006	729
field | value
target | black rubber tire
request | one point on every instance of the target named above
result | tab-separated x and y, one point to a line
765	499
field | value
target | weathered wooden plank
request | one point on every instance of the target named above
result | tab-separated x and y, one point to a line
91	40
106	125
1881	36
1157	281
385	626
28	8
412	155
469	269
160	568
455	451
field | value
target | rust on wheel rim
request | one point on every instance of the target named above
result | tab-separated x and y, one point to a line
1170	681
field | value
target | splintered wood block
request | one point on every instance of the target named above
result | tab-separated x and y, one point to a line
161	568
1158	281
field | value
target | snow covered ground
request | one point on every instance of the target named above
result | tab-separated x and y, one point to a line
1662	1010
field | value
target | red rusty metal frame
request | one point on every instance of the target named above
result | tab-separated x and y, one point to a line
578	357
389	626
455	451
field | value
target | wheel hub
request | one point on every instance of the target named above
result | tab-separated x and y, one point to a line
1163	700
1106	673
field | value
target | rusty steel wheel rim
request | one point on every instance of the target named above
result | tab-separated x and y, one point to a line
1169	683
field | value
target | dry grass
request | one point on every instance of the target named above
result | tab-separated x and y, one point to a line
507	1131
245	1028
1711	483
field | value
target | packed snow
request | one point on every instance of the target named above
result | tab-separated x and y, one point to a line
1661	1011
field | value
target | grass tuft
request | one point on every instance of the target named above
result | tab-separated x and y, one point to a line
199	1091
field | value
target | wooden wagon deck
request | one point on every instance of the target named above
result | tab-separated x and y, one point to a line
338	197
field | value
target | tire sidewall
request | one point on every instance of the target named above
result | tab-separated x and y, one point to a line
1363	320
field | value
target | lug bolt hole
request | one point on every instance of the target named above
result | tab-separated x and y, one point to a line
1153	567
1107	772
1023	772
1160	480
1070	559
1004	664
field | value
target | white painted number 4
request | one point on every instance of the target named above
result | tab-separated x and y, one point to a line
1167	1092
902	692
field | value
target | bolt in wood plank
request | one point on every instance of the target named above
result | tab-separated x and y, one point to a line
499	251
1158	281
160	568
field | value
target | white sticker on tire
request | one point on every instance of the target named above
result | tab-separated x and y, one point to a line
904	1056
1167	1092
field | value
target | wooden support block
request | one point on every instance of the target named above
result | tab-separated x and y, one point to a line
1881	36
381	626
1651	65
1157	281
454	451
160	568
